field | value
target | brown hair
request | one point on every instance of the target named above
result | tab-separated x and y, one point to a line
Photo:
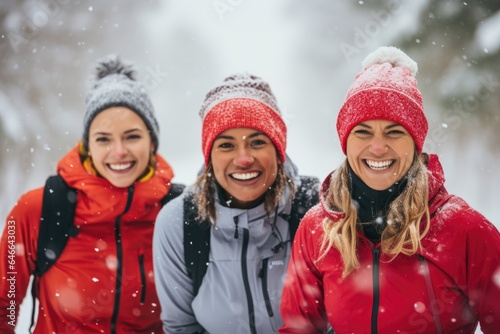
205	201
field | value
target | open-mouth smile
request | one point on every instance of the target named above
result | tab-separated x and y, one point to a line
245	176
120	167
379	165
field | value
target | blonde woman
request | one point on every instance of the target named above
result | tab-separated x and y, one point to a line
388	250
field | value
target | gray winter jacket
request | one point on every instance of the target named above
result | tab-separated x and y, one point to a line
235	286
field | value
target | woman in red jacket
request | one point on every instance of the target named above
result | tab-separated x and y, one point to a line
103	280
388	250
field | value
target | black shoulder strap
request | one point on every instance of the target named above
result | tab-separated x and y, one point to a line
306	196
175	190
56	226
56	223
196	242
197	233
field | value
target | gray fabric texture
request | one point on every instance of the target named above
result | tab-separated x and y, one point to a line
221	305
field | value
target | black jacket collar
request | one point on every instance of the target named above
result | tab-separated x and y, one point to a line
373	205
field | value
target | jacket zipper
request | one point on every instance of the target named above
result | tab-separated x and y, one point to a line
376	290
119	259
143	278
433	305
263	277
251	312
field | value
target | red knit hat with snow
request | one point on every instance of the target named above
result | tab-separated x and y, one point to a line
385	89
242	101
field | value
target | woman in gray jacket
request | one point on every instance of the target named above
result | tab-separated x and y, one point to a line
247	202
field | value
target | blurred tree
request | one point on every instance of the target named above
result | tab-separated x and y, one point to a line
457	46
47	48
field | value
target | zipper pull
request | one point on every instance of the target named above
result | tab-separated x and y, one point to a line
235	227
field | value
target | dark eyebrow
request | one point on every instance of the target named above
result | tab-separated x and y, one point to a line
255	134
101	133
133	130
104	133
387	127
393	126
364	125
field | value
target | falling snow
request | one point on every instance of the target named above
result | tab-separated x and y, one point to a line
39	72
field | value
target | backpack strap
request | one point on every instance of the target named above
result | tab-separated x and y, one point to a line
197	233
56	226
306	196
175	190
56	222
196	242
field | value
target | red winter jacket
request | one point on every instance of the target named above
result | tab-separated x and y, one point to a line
449	287
104	277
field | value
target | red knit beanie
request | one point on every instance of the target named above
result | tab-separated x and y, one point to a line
242	101
385	89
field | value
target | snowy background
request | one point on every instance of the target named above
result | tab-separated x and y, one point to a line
309	52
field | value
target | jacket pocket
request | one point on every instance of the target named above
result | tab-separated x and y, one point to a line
272	276
265	292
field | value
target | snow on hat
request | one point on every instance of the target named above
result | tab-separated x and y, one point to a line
385	89
116	85
242	101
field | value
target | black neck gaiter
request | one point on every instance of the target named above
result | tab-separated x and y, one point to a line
226	199
373	205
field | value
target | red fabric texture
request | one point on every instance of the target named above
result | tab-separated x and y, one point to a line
462	251
382	91
243	113
77	295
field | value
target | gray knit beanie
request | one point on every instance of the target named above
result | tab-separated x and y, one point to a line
116	85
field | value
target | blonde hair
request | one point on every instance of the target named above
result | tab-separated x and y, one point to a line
403	232
205	200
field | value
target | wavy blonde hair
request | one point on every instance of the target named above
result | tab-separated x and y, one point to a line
403	233
205	200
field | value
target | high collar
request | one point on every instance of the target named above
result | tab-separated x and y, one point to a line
99	200
225	199
436	181
371	202
373	205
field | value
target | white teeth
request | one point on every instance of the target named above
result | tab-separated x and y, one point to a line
379	165
120	166
245	176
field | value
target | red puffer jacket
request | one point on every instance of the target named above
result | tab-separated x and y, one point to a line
449	287
103	281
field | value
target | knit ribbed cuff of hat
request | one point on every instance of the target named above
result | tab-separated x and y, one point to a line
243	113
386	104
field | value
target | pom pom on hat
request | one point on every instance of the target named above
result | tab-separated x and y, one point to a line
393	56
385	89
242	101
115	85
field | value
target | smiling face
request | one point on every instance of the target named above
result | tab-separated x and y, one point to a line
380	152
119	145
245	164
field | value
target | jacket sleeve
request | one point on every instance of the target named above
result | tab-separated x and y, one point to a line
302	306
173	284
17	256
483	269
